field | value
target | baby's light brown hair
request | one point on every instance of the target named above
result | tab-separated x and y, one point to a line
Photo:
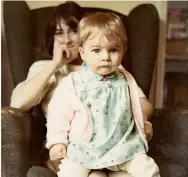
108	24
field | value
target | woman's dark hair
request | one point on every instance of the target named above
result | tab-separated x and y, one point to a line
71	13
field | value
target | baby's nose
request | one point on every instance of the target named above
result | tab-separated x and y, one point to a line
106	57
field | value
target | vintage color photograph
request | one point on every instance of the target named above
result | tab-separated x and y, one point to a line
94	88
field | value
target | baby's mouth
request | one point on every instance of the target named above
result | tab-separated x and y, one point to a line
105	66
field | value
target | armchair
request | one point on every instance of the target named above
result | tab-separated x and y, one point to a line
23	133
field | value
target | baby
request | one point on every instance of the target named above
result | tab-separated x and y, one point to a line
95	118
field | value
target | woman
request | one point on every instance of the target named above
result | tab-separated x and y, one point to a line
61	44
44	76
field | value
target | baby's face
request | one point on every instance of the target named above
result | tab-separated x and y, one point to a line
101	55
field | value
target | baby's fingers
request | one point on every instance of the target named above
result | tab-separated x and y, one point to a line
56	156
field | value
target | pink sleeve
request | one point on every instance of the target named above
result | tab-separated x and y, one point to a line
59	117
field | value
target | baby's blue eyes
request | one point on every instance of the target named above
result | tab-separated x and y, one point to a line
96	50
113	50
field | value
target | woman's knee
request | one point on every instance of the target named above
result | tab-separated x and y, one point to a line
97	173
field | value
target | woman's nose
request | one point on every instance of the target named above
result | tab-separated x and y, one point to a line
66	39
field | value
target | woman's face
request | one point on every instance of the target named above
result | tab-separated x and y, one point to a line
69	37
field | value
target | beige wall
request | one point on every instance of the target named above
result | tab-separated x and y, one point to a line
122	6
125	7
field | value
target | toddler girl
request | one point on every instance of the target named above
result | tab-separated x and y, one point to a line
95	118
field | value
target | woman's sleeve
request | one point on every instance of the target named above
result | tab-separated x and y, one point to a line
140	93
33	71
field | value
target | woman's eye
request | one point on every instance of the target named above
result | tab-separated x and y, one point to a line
73	31
96	50
58	32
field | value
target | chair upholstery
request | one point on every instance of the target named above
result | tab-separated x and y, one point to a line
24	41
17	23
169	146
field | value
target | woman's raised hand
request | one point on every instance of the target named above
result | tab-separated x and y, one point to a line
61	54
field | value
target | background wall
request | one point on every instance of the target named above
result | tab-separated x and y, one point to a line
122	6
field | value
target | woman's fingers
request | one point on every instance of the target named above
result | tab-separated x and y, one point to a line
61	53
148	130
65	51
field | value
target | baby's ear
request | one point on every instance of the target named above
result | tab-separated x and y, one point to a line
81	51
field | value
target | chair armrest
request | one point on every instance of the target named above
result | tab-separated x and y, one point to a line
12	111
172	169
15	129
170	112
170	139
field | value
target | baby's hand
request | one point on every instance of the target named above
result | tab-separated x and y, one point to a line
148	130
57	152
